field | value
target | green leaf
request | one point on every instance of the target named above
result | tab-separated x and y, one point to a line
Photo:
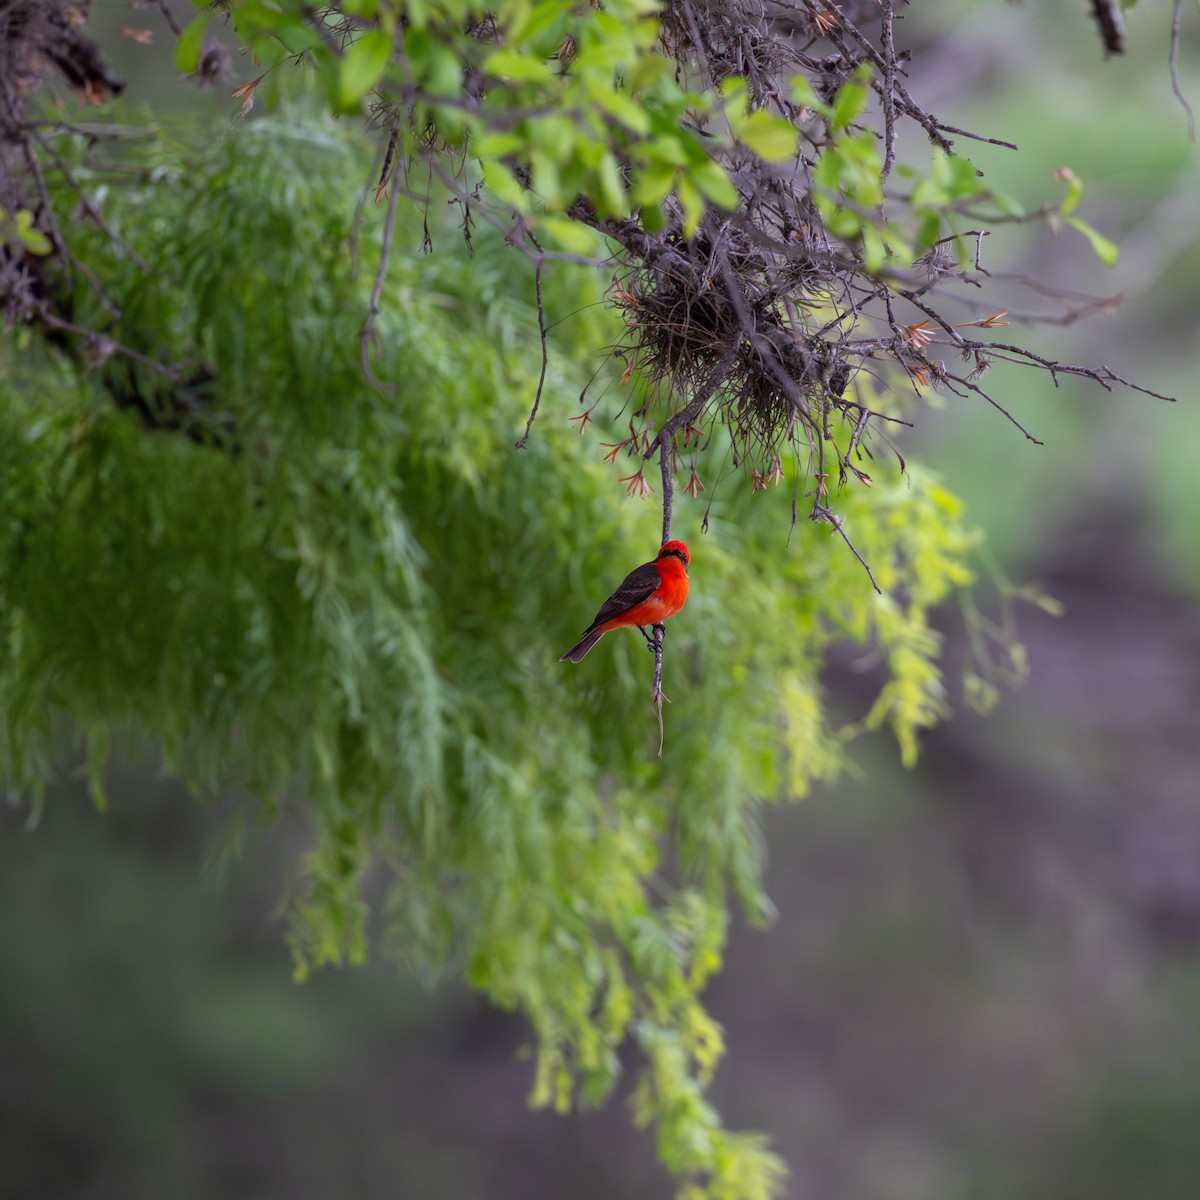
517	68
693	205
532	20
652	183
802	92
572	236
612	201
555	136
653	218
503	184
1074	190
361	68
927	231
1104	249
191	42
648	70
544	177
497	145
1005	203
444	73
771	138
32	239
874	251
851	100
717	187
631	114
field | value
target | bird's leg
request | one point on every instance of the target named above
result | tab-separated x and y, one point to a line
649	640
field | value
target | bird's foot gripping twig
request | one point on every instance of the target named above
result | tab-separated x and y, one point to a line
657	695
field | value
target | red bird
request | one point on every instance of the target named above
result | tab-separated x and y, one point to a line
648	595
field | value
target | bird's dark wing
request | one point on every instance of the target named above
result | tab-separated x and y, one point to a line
638	585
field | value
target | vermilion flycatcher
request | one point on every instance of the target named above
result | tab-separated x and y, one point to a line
648	595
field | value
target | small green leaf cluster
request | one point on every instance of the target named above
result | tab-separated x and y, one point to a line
18	228
849	192
569	101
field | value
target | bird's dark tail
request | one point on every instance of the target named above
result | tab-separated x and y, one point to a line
581	647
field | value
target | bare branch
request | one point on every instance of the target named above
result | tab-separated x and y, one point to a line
541	315
367	338
889	91
822	514
1176	20
168	16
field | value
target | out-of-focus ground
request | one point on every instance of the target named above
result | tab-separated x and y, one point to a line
983	982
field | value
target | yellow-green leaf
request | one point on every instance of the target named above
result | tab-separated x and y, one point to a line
1105	250
1074	190
717	187
517	68
631	114
34	240
612	187
652	183
573	237
502	183
497	145
361	68
191	41
874	253
770	137
648	69
693	205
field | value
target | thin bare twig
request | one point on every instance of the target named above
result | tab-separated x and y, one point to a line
168	16
660	630
1176	19
367	338
111	345
541	314
821	513
974	387
689	414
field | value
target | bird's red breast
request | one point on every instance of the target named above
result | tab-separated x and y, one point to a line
648	595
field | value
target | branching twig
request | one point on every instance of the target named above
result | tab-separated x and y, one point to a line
821	513
974	387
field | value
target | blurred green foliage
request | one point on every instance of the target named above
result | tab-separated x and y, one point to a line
354	597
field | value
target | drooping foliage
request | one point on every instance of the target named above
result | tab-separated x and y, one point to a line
351	599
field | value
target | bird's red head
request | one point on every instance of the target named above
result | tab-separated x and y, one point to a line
676	550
